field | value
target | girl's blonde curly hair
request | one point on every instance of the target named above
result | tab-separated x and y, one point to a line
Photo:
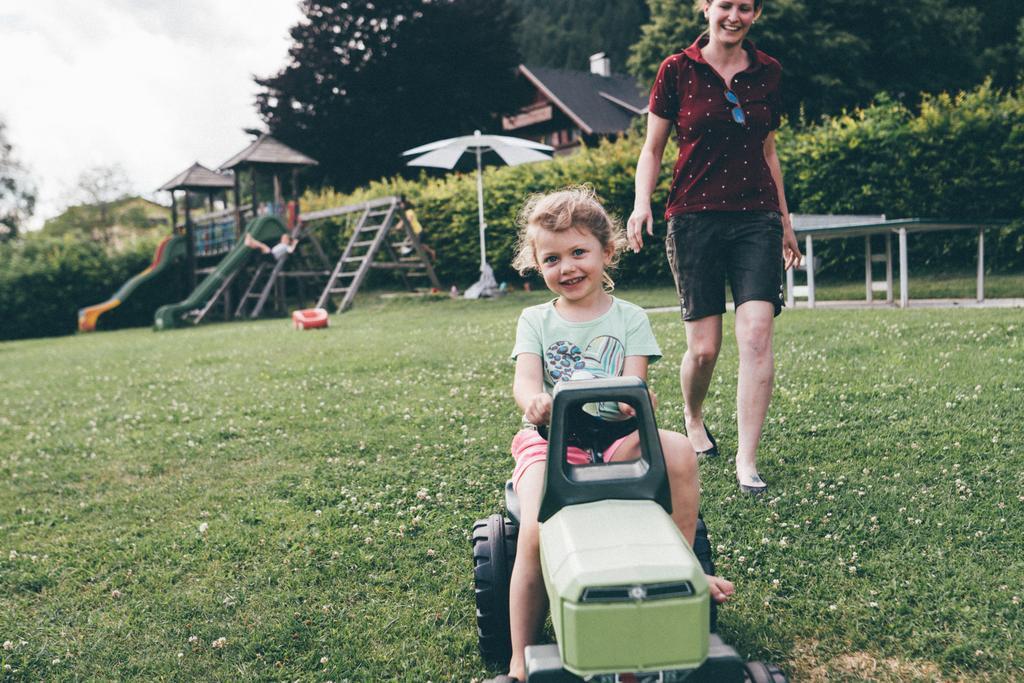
573	207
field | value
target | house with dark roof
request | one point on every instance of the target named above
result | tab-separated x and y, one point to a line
563	108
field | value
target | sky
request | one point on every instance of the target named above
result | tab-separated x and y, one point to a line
149	85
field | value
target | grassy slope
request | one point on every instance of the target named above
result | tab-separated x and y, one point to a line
338	473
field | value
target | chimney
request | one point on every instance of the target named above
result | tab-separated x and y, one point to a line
600	64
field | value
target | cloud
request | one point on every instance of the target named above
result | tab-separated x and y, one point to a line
152	86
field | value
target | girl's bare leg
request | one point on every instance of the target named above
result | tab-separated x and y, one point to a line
528	601
683	476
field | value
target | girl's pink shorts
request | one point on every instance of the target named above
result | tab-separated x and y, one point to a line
529	447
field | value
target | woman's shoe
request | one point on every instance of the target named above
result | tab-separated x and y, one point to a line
755	486
710	452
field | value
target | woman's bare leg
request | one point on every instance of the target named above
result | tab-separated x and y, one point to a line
703	342
754	325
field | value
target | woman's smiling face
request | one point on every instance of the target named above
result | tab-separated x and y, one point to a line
729	20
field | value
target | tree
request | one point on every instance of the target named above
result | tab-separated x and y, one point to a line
366	80
90	208
17	193
841	53
564	33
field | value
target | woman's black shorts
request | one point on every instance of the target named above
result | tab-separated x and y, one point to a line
705	248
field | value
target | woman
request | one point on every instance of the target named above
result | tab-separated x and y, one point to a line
726	212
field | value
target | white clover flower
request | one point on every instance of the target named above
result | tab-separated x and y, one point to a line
219	643
324	660
8	645
204	527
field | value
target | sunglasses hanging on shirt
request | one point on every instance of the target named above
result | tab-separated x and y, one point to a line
737	111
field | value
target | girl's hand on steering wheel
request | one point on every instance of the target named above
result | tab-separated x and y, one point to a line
538	412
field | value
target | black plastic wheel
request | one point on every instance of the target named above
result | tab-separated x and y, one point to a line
763	672
494	553
702	549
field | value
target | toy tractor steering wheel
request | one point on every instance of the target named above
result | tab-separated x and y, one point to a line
587	431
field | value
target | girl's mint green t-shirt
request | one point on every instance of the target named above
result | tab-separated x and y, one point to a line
594	349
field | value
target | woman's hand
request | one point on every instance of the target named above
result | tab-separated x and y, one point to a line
647	168
790	247
538	409
641	218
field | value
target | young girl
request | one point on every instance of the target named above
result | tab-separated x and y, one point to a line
585	331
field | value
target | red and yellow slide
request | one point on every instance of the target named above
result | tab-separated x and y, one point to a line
169	250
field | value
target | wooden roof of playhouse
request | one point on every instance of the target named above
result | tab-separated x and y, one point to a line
198	177
268	151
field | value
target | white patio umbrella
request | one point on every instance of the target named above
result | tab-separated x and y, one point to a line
446	153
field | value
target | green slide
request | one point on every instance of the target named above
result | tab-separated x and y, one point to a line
167	252
267	229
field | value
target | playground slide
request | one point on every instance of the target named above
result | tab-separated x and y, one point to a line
169	250
267	229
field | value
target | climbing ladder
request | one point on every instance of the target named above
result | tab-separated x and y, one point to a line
260	286
196	315
266	275
373	244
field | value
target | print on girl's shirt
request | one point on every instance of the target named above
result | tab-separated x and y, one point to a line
605	356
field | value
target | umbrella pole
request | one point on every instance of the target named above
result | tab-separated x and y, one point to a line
480	206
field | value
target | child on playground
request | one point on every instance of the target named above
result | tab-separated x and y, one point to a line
569	238
285	246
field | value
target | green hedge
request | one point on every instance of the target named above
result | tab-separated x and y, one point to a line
44	280
956	157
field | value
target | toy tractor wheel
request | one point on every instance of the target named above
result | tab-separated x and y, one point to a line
762	672
702	549
494	553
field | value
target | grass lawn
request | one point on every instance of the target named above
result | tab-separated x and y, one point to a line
246	502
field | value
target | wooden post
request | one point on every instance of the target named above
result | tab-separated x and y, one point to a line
252	179
174	214
238	205
888	268
295	191
904	276
981	265
190	246
868	284
809	260
278	198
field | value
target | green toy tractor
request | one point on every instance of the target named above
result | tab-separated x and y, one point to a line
628	596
